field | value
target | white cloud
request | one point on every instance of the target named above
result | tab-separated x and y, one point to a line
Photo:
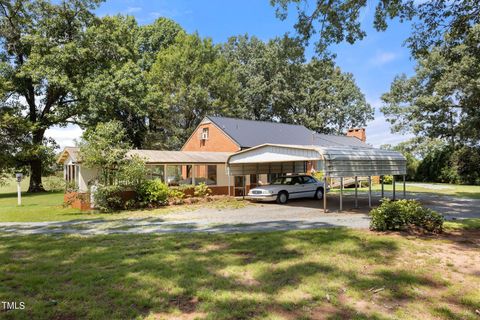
65	136
133	9
378	132
383	57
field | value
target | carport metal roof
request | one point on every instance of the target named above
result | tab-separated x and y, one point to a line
344	161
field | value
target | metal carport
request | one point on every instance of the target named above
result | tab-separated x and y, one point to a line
338	162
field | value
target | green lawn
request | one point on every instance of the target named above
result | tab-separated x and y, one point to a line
464	191
49	207
328	273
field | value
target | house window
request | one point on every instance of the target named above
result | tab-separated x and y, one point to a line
212	175
205	174
157	172
174	175
204	134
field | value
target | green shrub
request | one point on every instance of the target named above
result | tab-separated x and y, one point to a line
108	198
153	192
202	190
174	194
184	187
402	214
387	179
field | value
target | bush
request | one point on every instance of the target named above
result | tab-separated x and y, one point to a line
153	192
175	195
402	214
387	179
108	198
202	190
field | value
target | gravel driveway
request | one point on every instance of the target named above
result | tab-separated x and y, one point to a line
297	214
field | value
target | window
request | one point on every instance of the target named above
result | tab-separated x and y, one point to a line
309	180
272	177
212	175
157	172
206	174
204	134
174	175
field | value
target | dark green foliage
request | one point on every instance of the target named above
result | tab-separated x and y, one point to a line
277	82
403	214
461	166
153	192
335	21
441	99
108	198
466	162
45	59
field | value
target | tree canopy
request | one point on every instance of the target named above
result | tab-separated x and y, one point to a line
44	61
442	99
60	65
276	82
335	21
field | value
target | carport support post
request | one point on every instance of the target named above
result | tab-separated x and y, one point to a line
393	186
404	189
383	189
229	180
341	194
369	191
356	192
325	194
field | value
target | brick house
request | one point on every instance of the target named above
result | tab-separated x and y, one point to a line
203	156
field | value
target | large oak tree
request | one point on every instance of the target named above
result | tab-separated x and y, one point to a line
45	60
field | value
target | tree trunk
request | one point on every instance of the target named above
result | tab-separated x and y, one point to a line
35	176
36	166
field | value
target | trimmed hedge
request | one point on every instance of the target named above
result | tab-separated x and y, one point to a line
405	214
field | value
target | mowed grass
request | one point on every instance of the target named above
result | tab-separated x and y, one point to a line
463	191
49	206
327	274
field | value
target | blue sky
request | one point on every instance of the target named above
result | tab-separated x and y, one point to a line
374	61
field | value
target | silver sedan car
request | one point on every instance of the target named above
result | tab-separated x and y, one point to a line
288	187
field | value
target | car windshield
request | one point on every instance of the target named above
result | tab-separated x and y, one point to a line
286	180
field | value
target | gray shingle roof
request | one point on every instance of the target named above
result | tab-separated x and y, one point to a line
250	133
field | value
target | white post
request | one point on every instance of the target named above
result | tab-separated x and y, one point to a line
229	180
19	188
165	174
193	174
19	192
404	188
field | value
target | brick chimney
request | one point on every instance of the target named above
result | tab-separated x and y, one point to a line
358	133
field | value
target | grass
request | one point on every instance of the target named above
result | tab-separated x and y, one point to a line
464	224
463	191
49	207
327	273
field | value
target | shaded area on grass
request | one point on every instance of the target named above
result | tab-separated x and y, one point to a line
336	272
